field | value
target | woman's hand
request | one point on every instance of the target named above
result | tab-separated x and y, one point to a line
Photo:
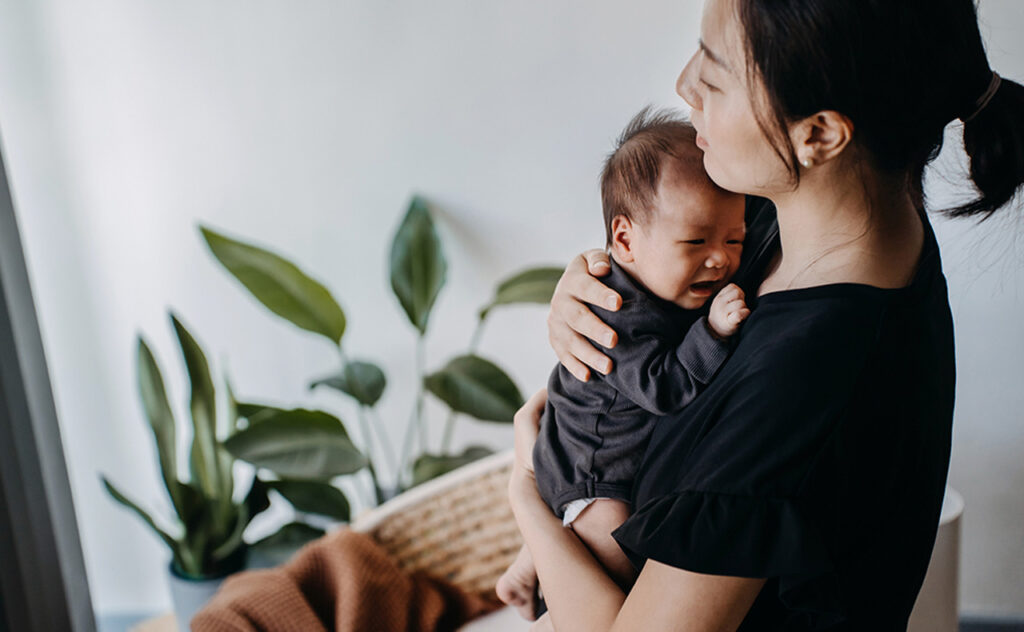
526	424
569	319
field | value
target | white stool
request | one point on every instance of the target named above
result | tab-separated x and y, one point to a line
938	604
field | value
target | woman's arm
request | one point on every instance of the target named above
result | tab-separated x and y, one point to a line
578	592
575	579
569	319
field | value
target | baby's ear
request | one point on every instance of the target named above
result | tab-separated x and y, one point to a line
622	238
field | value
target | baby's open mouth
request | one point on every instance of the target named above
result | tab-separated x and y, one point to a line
704	287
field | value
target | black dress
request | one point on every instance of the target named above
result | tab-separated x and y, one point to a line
817	457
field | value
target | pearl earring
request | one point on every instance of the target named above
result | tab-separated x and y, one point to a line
807	163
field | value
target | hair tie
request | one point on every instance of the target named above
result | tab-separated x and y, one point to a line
985	98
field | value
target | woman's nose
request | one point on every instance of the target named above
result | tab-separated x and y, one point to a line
686	83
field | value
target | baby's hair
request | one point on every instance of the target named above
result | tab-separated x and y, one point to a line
653	141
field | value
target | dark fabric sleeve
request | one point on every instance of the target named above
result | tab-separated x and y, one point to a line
741	536
651	367
738	504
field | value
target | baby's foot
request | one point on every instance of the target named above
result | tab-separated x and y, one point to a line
516	586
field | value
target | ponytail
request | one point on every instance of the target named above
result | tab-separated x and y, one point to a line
901	70
994	141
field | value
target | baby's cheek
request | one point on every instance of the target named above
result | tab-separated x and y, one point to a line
691	268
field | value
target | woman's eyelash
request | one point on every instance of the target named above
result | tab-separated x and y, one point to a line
706	84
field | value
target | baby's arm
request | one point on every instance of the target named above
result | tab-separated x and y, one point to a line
654	372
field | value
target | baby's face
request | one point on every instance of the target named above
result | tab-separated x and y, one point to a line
690	246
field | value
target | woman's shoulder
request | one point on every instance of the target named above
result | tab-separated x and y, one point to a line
796	330
842	318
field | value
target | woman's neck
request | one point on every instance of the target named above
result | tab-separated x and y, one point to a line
841	227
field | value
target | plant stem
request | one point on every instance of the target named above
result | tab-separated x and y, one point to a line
420	422
364	430
384	439
416	417
474	342
378	493
369	464
367	438
449	423
410	428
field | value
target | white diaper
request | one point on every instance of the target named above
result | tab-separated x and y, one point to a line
573	508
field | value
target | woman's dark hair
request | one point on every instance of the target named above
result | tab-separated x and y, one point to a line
900	70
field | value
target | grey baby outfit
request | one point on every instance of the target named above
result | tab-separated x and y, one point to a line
593	434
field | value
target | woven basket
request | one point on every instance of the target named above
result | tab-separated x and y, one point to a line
458	526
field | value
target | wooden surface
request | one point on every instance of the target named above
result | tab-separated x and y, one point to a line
166	623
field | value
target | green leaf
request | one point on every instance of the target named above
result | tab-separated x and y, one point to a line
253	413
161	420
280	285
212	537
293	534
225	427
233	415
257	501
298	444
294	416
430	466
364	381
194	507
234	540
313	497
204	459
418	267
189	564
148	519
472	385
275	549
535	285
218	554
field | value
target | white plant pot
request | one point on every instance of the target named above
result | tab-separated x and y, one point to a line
189	595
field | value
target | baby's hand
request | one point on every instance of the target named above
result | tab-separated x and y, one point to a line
728	310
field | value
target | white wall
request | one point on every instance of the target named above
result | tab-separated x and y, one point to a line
306	127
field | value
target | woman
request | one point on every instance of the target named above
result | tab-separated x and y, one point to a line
802	489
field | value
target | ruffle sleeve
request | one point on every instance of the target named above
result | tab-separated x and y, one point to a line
742	536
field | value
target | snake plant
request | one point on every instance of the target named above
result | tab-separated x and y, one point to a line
205	534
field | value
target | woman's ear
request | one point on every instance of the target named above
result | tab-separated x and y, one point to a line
622	238
821	137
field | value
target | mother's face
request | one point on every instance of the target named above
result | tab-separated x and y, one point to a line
717	85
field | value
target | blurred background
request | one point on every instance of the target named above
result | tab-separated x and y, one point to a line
306	128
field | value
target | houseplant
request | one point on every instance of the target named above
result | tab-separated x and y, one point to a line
468	383
205	534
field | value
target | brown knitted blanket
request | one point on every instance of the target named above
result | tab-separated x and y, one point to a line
345	582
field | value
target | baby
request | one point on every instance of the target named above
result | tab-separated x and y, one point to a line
674	241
